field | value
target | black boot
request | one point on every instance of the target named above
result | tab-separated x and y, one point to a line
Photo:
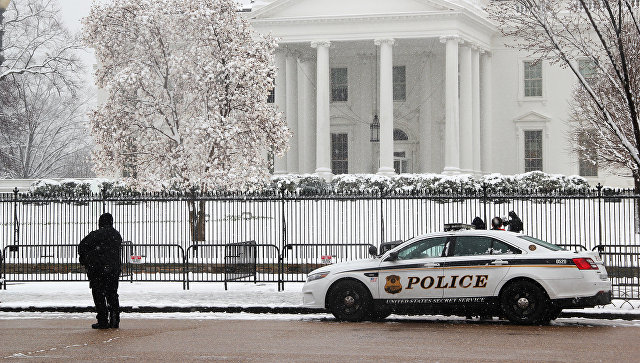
100	326
114	320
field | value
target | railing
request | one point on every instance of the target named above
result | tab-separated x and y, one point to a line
233	262
294	231
299	259
623	266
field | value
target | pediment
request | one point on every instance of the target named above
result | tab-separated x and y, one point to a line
532	116
292	9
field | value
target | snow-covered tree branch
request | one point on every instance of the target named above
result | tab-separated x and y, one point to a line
36	43
187	86
42	100
602	36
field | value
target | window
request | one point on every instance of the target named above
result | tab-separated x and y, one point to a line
587	69
339	85
542	243
533	78
339	154
588	157
399	83
532	150
430	247
400	162
399	135
271	96
481	245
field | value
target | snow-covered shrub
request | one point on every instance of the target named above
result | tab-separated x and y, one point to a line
301	184
537	182
46	188
497	185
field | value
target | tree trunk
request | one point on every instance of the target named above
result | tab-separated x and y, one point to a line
197	222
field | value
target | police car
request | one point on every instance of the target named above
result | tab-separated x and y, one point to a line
464	272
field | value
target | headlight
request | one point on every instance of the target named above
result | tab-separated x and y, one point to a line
317	276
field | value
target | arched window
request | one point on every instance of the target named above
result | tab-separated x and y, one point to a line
399	135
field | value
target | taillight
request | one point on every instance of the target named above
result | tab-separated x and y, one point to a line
585	264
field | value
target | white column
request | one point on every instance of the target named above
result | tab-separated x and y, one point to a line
280	163
452	115
386	106
323	130
307	114
292	111
485	112
466	147
426	114
475	109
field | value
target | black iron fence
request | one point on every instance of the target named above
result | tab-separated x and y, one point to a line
203	238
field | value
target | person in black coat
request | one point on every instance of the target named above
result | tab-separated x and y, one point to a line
99	253
478	223
514	223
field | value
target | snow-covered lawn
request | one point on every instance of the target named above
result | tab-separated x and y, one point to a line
156	294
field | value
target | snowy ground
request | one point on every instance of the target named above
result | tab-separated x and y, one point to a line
157	294
165	294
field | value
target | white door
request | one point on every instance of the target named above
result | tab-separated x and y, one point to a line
416	272
477	264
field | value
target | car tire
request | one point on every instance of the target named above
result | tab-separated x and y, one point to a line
524	302
349	300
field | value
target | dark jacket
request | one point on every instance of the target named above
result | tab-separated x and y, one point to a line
479	223
514	223
99	251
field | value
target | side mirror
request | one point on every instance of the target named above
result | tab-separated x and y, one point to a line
393	256
373	251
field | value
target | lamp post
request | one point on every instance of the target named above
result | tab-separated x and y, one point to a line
4	4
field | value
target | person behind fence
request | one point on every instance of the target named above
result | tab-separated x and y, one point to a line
478	223
99	253
514	223
496	224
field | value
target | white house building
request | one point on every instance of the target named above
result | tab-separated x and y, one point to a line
417	86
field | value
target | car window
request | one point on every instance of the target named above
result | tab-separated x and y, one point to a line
429	247
501	248
542	243
481	245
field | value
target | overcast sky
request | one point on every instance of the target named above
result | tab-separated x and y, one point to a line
72	13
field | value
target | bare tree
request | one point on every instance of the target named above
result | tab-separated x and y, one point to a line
35	42
605	34
43	122
49	127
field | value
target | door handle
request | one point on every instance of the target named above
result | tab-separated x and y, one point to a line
499	262
431	264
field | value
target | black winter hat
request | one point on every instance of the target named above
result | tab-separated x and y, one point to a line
106	220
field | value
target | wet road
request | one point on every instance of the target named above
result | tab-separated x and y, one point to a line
315	340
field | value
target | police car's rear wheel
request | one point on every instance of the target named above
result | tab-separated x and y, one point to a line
349	300
523	302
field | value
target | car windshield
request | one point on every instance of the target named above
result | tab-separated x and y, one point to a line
542	243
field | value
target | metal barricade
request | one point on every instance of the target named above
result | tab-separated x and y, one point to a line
239	262
156	262
48	262
308	257
623	267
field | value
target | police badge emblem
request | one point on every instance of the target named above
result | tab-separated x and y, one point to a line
393	285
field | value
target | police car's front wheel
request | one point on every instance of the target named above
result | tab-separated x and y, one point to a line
524	302
349	300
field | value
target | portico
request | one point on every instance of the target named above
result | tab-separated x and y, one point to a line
415	65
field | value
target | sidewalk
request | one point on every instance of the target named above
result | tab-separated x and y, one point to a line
159	297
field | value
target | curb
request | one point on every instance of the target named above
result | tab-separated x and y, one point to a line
258	310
